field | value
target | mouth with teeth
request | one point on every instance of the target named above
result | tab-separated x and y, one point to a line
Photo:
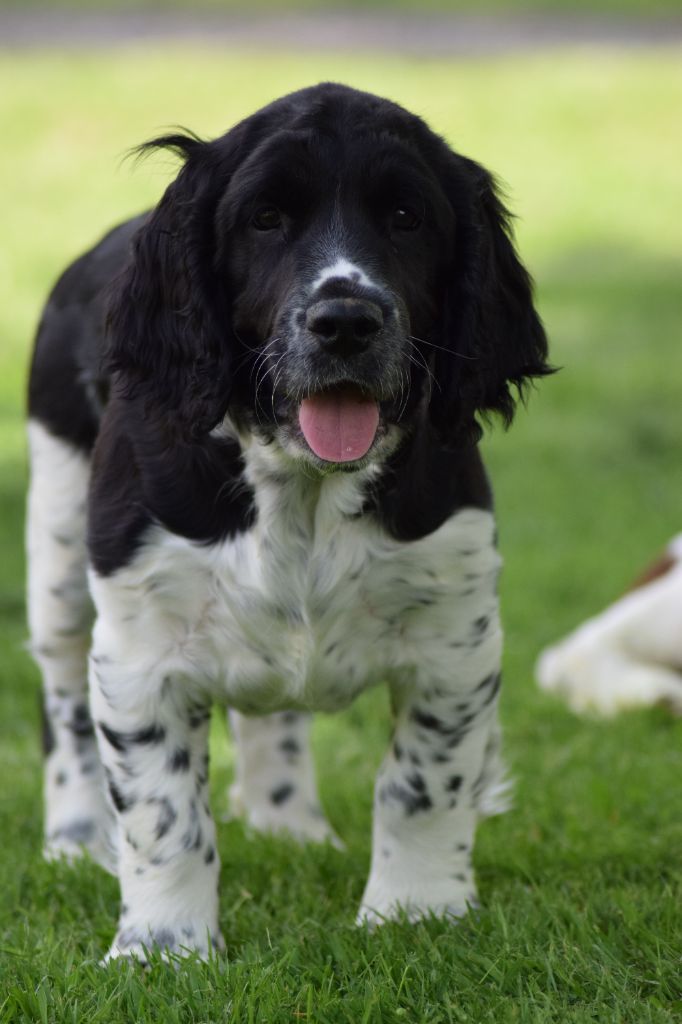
340	423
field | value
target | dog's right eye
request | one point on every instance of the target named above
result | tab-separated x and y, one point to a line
267	218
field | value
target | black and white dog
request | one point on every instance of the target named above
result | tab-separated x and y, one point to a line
254	446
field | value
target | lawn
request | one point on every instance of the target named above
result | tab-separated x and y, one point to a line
581	882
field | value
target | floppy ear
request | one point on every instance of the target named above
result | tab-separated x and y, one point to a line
167	325
491	338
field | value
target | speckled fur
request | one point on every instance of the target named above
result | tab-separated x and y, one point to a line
303	612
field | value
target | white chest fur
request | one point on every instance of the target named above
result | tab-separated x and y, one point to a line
312	605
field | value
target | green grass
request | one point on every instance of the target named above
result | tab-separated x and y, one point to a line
581	883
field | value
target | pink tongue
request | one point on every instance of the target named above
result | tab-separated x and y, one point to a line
339	425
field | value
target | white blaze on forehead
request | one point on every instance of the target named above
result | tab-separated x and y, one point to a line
343	268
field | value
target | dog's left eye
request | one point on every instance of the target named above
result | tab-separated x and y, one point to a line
404	218
267	218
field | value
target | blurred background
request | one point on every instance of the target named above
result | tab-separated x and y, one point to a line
576	107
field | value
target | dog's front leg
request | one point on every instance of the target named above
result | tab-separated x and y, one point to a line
434	783
154	747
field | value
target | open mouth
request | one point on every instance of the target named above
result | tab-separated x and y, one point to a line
339	423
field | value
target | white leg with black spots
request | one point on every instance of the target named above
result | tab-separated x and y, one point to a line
77	815
155	754
440	775
275	787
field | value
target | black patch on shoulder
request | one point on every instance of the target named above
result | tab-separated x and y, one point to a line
144	473
425	482
67	385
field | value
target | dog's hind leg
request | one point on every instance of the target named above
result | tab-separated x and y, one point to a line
77	816
275	788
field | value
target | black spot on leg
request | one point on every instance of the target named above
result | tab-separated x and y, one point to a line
416	781
202	774
179	760
453	784
290	746
209	856
490	681
121	802
426	720
197	717
47	732
397	751
412	802
81	723
167	815
61	779
494	689
281	794
193	836
121	741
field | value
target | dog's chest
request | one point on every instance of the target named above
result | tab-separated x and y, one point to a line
315	603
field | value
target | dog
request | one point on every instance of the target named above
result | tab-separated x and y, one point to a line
629	655
254	418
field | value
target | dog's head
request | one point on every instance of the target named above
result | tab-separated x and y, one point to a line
323	274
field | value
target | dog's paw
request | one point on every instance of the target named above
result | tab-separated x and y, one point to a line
137	946
449	898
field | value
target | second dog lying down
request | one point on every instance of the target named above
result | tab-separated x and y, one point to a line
631	654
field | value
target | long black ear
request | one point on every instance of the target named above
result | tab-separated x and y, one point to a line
491	338
166	322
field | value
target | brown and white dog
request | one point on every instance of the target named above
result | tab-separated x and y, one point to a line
631	654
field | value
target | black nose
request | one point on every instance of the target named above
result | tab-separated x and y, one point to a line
344	326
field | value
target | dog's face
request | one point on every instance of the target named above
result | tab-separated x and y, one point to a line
335	243
326	273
